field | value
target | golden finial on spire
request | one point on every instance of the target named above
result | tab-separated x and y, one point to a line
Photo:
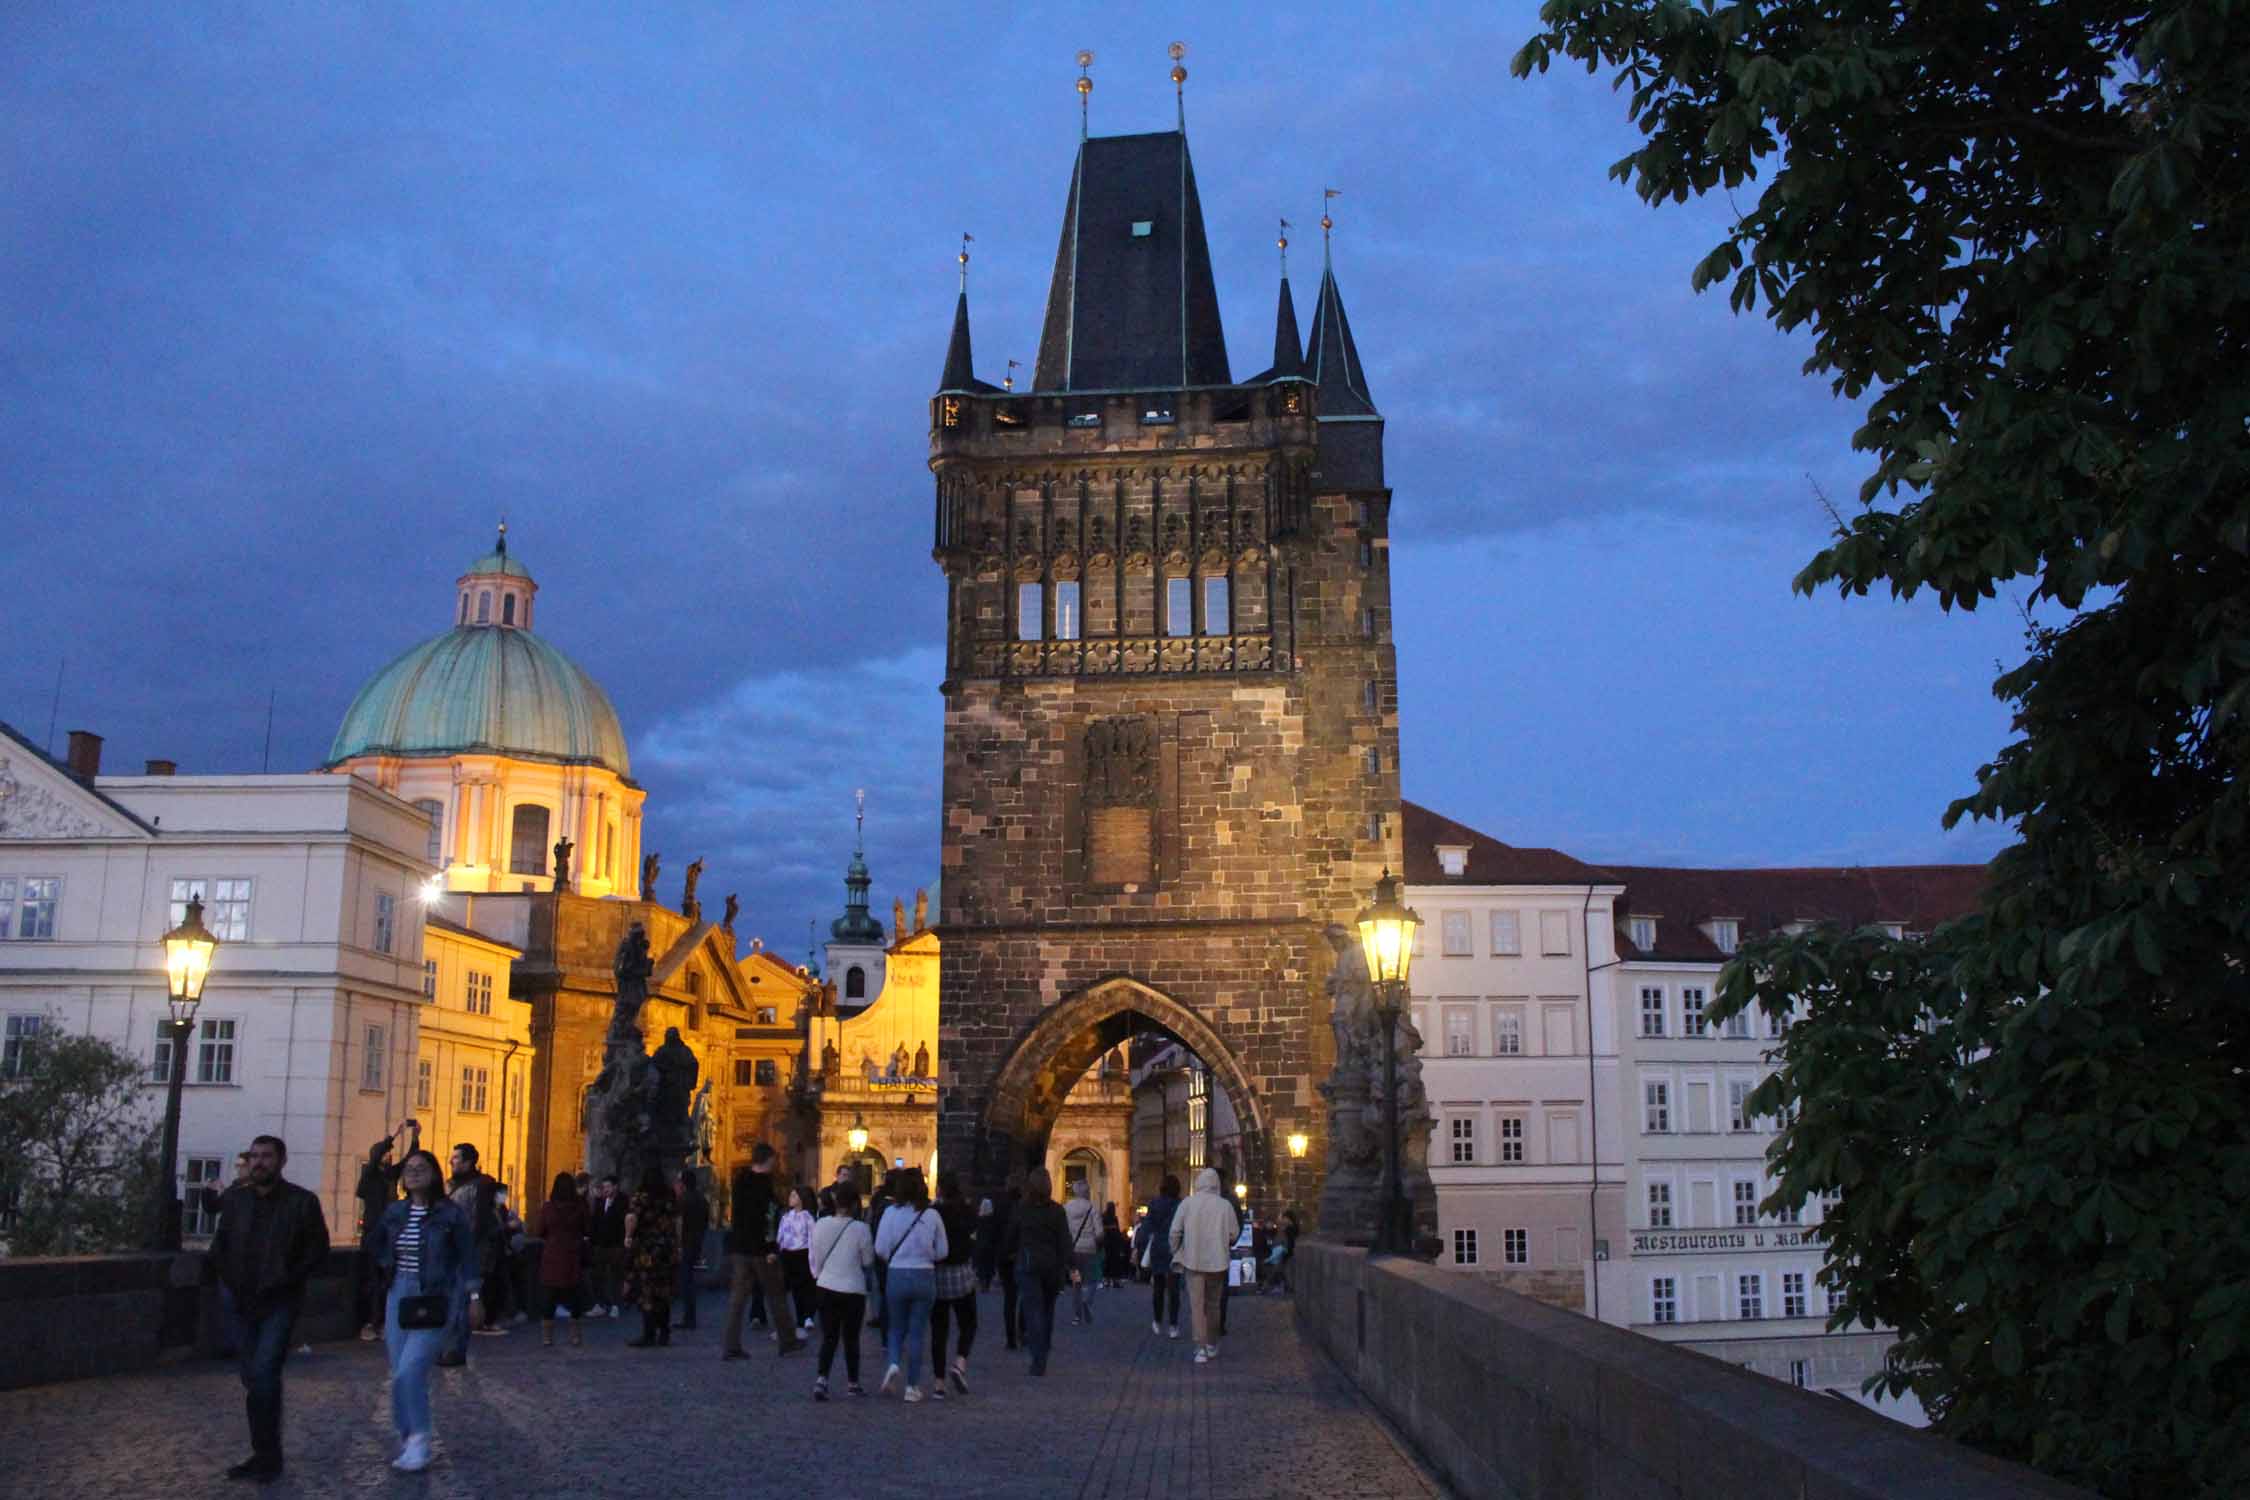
1008	381
1177	51
1326	223
963	257
1283	242
1085	87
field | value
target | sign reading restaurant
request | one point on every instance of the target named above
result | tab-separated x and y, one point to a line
1692	1242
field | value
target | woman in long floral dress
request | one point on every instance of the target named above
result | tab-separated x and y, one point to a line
652	1243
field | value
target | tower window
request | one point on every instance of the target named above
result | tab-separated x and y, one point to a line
527	843
1143	228
1066	611
507	609
464	609
1030	607
484	607
1367	624
436	811
855	983
1215	615
1179	606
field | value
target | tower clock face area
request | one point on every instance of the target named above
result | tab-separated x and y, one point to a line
1170	737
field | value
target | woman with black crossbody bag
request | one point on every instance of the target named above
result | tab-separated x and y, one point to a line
428	1251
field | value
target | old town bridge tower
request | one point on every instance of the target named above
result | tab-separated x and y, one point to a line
1171	732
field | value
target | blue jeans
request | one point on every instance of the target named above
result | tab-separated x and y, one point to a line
261	1343
456	1330
413	1351
1089	1267
1040	1288
909	1292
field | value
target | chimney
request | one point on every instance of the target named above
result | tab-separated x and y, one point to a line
85	755
163	768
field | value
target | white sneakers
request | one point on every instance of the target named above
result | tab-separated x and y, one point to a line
1175	1330
890	1380
1202	1355
913	1393
415	1456
1156	1325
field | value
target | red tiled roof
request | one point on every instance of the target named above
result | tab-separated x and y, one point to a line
1490	861
1916	897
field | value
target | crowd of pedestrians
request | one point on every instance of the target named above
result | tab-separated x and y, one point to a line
445	1257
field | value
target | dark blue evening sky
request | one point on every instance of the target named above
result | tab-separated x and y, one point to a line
296	300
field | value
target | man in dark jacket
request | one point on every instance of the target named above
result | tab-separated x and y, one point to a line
1038	1240
754	1254
605	1234
271	1238
695	1223
377	1190
477	1194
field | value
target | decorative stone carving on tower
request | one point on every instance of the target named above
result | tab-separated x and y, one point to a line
1121	802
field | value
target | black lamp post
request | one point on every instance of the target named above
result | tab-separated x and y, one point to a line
187	963
1386	937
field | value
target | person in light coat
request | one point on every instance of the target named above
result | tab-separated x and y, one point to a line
1084	1223
1203	1234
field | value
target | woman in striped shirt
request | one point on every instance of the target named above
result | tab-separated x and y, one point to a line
427	1248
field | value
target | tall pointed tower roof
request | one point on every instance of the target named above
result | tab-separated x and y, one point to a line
1333	357
1288	348
855	925
960	368
1133	305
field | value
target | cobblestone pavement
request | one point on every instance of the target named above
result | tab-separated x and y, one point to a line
1120	1413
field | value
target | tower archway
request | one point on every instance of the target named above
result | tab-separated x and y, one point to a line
1067	1038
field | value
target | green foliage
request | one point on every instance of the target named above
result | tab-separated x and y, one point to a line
2020	232
76	1146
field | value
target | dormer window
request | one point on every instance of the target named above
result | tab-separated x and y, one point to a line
1453	859
1726	933
1641	932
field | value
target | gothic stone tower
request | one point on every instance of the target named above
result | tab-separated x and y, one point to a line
1171	734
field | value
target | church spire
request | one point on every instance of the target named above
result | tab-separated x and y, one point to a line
1333	356
855	925
960	371
1288	348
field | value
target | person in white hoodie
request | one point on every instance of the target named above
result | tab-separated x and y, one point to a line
1085	1226
1203	1234
841	1250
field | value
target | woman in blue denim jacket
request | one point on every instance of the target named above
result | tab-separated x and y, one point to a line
426	1247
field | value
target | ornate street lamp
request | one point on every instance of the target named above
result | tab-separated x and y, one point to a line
1299	1144
1386	936
187	964
856	1137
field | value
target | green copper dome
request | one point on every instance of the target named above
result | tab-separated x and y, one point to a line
500	562
484	690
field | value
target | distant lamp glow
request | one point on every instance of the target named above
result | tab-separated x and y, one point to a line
431	889
1386	934
1299	1144
857	1135
1242	1190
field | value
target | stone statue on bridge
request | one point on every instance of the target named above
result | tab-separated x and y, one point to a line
637	1109
1356	1190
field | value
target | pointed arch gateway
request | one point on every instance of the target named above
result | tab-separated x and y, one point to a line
1069	1036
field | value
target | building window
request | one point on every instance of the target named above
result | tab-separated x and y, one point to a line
742	1073
1793	1296
768	1015
1507	936
1660	1205
1738	1104
1745	1203
1656	1107
1750	1295
214	1052
1367	624
1511	1138
507	609
1515	1247
160	1061
484	606
1366	553
1464	1137
1374	760
1031	609
1777	1021
464	609
1554	934
695	982
1652	1010
1726	934
1664	1299
1507	1031
226	905
1218	618
855	983
1179	606
27	905
1066	610
767	1072
1199	1115
1738	1025
376	1040
474	1084
17	1042
1371	696
425	1083
1793	1214
199	1197
1641	932
478	1001
527	840
1375	826
386	920
436	811
1460	1031
1464	1247
1692	997
1800	1373
1456	930
429	979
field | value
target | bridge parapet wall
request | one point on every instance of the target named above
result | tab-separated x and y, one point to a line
1506	1397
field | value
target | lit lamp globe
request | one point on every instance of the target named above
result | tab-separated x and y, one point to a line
1299	1144
1386	937
187	961
857	1135
1242	1190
